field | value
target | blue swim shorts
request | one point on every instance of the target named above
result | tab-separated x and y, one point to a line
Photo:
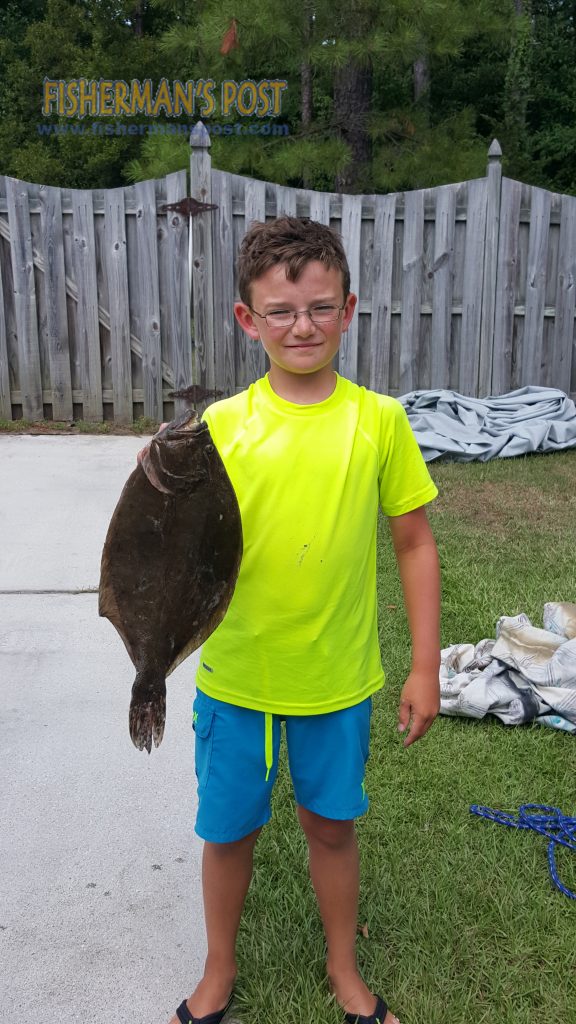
236	761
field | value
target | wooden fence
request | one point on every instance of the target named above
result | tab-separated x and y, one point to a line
94	300
109	301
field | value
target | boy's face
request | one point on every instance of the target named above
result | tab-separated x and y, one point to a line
305	347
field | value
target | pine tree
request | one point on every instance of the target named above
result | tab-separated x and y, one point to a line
363	115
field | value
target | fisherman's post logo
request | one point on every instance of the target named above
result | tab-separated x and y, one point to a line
82	97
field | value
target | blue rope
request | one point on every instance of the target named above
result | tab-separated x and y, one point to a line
548	821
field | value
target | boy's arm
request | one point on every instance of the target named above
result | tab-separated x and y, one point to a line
419	569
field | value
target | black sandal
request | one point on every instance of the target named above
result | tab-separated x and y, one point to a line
378	1017
184	1015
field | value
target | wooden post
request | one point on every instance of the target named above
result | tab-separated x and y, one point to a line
201	260
489	280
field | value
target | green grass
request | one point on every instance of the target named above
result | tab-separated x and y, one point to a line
464	924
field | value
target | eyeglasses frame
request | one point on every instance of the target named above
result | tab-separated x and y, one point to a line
296	313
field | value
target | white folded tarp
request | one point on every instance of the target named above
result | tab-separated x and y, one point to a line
525	675
531	419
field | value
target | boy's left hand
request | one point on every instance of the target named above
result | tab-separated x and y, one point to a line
419	702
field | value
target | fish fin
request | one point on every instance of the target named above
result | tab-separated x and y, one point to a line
148	708
221	602
149	469
108	609
186	651
218	608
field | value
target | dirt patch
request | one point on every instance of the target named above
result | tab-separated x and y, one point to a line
80	428
495	507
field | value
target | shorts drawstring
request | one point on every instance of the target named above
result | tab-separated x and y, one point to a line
268	746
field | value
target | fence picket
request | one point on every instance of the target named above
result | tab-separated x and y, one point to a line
87	325
5	401
54	280
117	275
178	298
473	287
506	286
25	299
350	231
201	257
531	352
223	249
493	202
411	289
320	207
383	243
564	347
285	201
254	210
146	298
443	271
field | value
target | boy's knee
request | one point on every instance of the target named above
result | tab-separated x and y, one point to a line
327	831
235	844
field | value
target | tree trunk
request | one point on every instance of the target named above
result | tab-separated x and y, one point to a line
517	87
306	83
306	69
421	70
306	93
138	19
352	99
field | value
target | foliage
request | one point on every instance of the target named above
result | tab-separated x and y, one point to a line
64	39
330	37
516	90
418	159
551	111
492	72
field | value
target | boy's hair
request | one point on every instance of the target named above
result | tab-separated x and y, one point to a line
293	241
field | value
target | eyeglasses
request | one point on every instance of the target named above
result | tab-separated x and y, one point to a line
288	317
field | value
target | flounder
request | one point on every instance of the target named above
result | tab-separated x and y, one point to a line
170	562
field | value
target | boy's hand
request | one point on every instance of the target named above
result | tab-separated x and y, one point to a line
419	702
146	446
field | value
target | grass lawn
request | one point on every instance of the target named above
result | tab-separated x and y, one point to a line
464	924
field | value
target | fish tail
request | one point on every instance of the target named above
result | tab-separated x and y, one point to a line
148	708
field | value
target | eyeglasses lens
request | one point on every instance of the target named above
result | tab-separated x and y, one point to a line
318	315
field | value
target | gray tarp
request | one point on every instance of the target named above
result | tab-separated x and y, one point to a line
531	419
526	674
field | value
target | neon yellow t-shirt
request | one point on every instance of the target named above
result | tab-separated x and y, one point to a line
300	635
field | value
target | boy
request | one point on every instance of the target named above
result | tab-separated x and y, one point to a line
310	455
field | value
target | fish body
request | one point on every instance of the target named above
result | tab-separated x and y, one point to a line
170	562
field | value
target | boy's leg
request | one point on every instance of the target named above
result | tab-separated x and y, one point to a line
328	755
233	800
226	874
335	871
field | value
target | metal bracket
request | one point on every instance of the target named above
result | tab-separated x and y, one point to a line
188	207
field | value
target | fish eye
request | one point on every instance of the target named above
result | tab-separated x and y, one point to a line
209	447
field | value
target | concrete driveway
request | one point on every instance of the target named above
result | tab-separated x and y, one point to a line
101	908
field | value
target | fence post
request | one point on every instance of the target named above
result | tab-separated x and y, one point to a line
489	278
201	279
